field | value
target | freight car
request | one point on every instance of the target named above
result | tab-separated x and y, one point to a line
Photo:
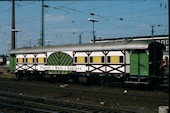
128	61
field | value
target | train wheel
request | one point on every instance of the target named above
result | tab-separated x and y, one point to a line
153	85
19	76
29	77
52	79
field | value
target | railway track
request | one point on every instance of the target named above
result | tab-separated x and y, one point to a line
82	97
21	109
32	103
97	91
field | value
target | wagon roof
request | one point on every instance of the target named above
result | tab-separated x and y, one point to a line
114	45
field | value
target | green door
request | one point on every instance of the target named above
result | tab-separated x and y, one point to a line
12	63
144	64
139	63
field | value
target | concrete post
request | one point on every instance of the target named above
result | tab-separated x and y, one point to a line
163	109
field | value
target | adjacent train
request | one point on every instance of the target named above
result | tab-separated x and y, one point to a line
128	61
3	60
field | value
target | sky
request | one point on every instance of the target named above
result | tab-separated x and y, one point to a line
65	21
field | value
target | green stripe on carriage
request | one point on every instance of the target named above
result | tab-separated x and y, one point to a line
59	59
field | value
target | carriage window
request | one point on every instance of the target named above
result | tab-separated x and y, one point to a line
80	59
85	59
97	59
108	59
75	59
91	59
120	59
41	60
30	60
45	60
102	59
20	60
114	59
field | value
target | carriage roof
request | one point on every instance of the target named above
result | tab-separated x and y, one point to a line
113	45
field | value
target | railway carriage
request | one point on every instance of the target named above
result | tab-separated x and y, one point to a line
128	61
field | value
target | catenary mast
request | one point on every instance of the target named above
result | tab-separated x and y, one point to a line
42	34
13	26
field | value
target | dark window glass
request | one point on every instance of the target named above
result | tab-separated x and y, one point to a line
108	59
102	59
75	59
85	59
121	59
91	59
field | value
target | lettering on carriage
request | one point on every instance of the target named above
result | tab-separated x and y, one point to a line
74	68
57	68
45	68
64	68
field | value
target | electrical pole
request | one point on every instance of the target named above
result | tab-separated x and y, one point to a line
42	38
80	38
13	26
168	14
93	20
152	31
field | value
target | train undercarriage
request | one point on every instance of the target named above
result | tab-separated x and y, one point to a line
153	82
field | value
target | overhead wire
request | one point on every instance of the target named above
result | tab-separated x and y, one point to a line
69	11
78	11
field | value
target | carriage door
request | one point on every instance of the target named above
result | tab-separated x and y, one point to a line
139	63
12	63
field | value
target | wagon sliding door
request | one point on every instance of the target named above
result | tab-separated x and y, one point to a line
139	63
